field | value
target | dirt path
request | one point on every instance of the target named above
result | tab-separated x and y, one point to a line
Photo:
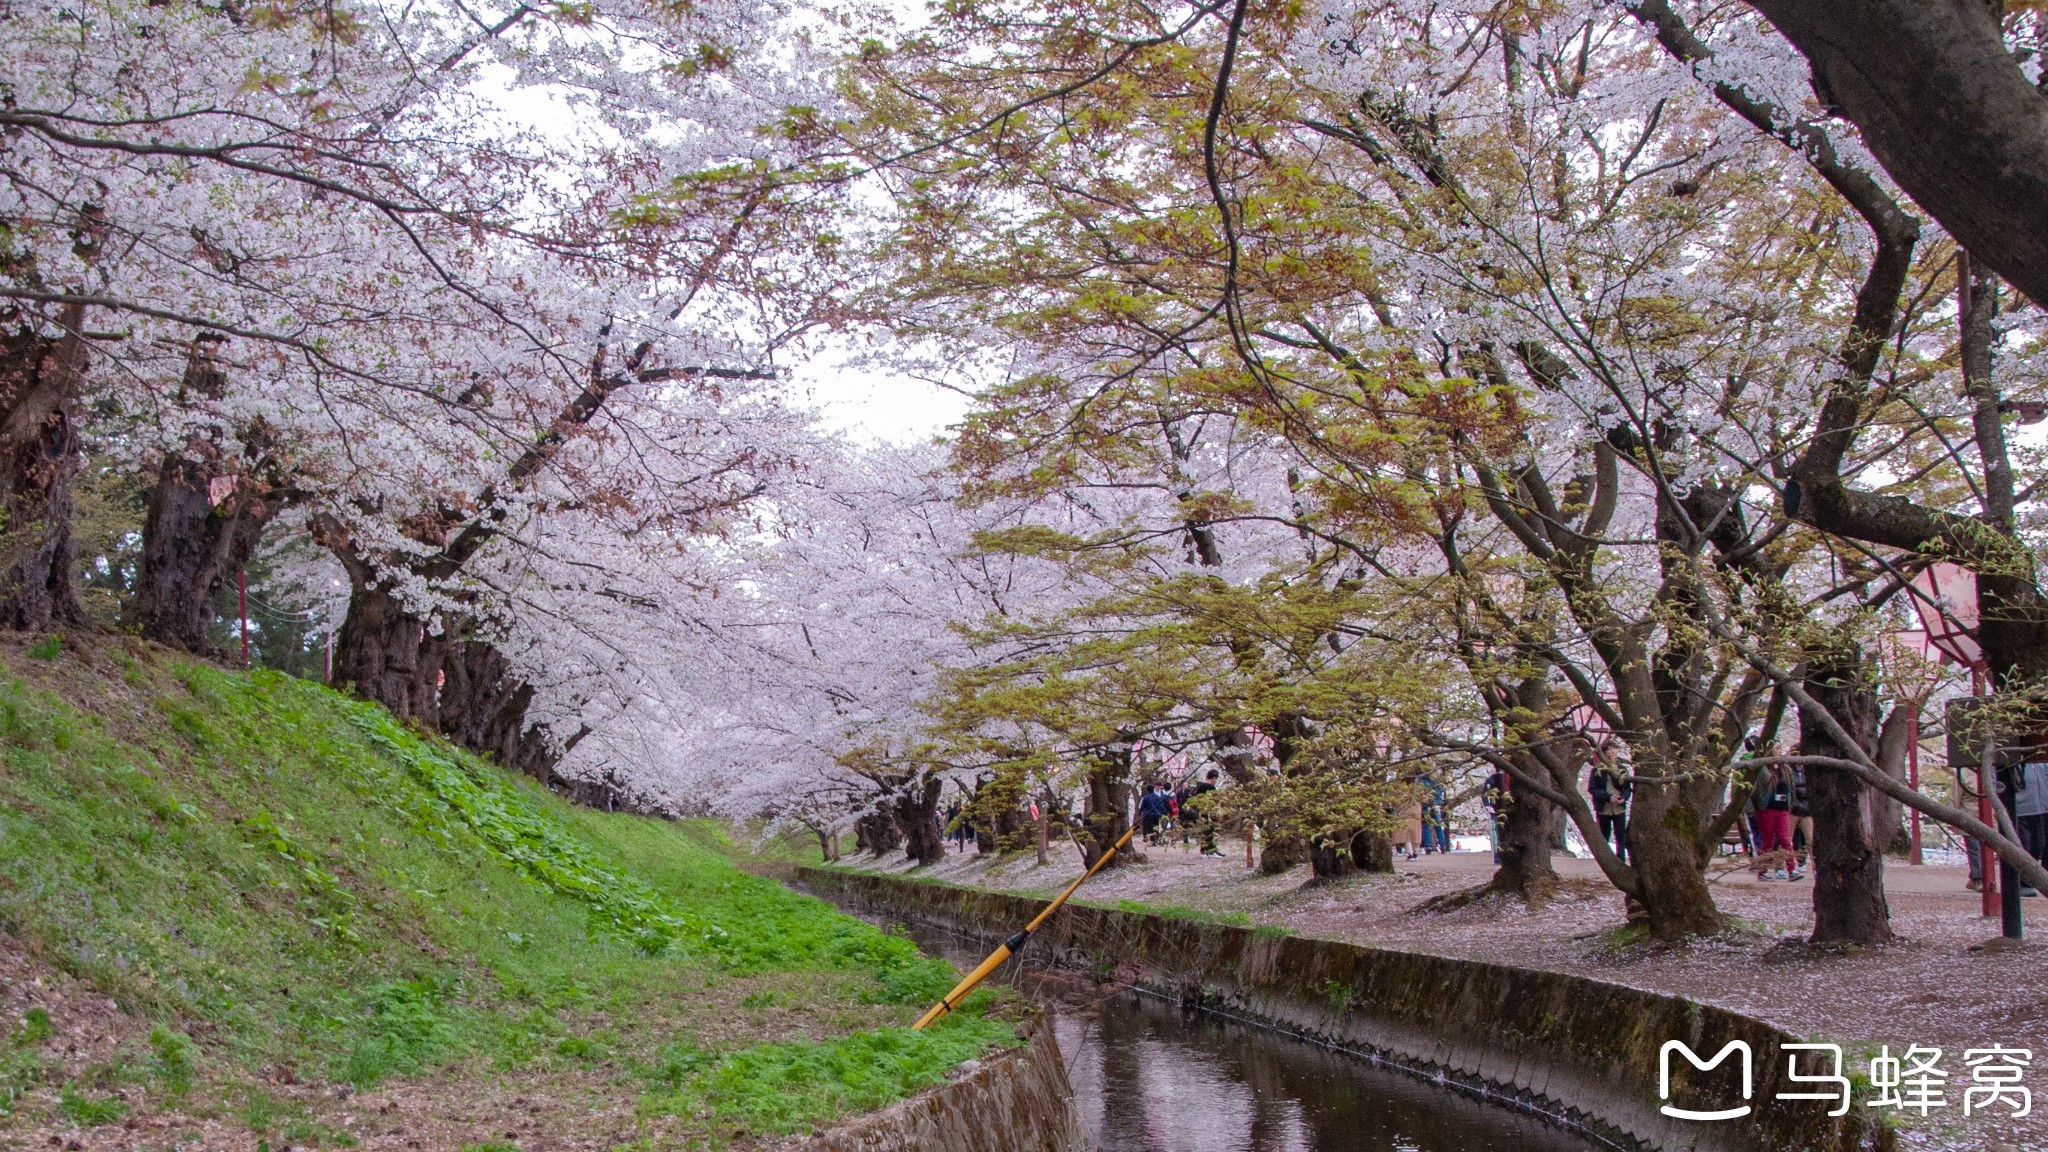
1936	987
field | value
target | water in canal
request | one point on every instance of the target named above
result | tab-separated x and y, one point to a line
1150	1077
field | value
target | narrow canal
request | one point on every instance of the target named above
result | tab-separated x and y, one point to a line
1149	1076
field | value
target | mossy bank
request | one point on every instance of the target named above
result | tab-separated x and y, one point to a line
242	910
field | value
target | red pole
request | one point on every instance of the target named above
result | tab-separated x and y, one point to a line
1913	773
330	680
242	594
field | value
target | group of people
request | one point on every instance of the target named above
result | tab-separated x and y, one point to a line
2025	790
1424	825
1776	830
1164	810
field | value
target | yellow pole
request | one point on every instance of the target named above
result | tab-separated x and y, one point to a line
1009	947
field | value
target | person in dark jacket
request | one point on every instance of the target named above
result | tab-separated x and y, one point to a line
1152	809
1802	820
1202	813
1610	789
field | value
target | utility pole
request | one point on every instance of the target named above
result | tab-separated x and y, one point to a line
1913	774
242	595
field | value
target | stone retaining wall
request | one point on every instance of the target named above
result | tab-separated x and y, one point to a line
1582	1052
1016	1101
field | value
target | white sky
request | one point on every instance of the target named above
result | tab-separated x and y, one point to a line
864	400
871	403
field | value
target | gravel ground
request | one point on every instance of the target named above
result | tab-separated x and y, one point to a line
1938	986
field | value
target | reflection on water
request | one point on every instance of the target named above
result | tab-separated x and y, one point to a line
1149	1077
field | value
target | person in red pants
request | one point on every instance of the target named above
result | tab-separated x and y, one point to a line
1774	828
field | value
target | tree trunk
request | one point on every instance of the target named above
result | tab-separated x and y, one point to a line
1529	825
997	812
1848	864
877	833
1664	830
1106	815
188	548
1889	832
39	453
1372	852
1283	853
483	707
917	811
1330	859
383	650
1236	753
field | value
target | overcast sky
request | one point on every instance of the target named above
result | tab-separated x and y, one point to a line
872	403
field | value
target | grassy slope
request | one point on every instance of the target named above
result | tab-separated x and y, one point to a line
279	885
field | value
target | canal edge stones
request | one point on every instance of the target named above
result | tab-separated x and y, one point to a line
1577	1052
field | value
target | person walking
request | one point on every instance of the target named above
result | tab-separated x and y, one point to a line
1208	818
2030	813
1802	821
956	826
1610	788
1774	827
1151	811
1408	837
1496	799
1183	819
1435	825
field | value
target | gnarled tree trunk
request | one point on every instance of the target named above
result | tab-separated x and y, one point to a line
39	453
1529	825
917	811
1282	853
1848	863
1372	852
1105	815
383	650
1331	858
1665	823
483	707
188	548
189	542
877	834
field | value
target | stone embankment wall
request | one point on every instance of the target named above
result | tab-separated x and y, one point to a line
1582	1052
1016	1101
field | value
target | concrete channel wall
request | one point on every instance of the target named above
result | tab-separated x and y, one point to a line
1015	1101
1583	1053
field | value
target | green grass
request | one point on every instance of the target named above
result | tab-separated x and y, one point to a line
307	884
1175	912
780	1088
